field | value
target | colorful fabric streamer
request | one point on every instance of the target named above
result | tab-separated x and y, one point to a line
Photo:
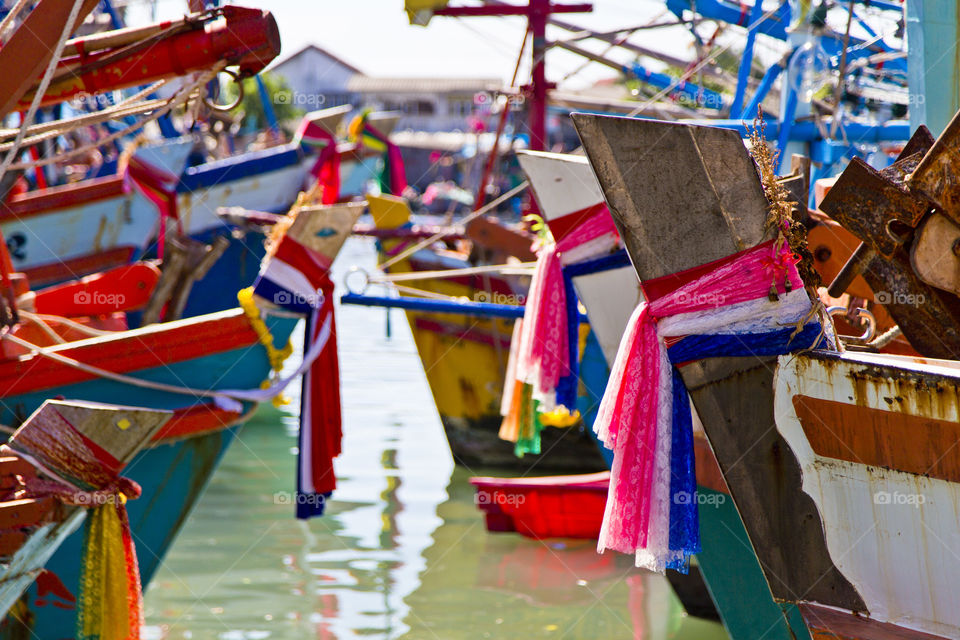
392	178
110	603
326	170
543	367
719	309
296	278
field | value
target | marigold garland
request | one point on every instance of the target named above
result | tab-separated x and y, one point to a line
276	356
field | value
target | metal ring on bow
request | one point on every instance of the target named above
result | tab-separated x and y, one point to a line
226	107
864	317
366	280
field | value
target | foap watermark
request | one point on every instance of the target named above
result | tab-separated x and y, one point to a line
100	298
898	297
493	297
898	498
496	497
288	498
287	298
711	299
299	99
711	499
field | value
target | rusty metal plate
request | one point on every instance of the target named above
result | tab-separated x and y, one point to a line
938	175
933	253
866	202
681	195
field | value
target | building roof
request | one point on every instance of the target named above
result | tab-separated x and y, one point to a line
313	47
367	84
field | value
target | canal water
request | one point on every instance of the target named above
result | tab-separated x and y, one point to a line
402	551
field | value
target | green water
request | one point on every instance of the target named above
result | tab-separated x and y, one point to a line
402	552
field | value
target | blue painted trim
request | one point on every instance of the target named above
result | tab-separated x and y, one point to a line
616	260
479	309
239	167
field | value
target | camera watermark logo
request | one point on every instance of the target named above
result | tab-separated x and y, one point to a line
898	498
99	298
498	498
288	498
493	297
711	499
287	298
299	99
898	297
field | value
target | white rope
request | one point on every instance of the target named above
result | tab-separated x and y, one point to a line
520	268
683	78
171	104
230	396
45	319
476	214
119	110
44	83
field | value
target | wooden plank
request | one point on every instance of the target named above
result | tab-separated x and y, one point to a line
681	195
864	435
15	514
118	431
830	624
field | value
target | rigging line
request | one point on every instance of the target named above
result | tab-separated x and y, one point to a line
683	78
68	28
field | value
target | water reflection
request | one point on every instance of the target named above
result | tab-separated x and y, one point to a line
403	552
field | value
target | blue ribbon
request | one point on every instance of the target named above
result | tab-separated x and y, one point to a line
684	518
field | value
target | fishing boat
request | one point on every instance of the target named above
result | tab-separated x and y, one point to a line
46	497
570	198
73	230
827	473
465	356
187	367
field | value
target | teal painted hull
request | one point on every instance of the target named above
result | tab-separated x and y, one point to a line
727	563
173	475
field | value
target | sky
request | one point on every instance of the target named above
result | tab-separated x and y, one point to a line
376	37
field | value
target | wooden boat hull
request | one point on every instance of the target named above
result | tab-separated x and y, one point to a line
75	230
175	469
565	185
875	438
465	360
816	447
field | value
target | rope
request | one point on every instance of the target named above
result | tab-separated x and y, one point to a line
47	130
522	268
182	96
476	214
44	319
42	89
110	375
692	70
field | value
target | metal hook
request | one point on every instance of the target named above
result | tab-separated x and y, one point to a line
226	107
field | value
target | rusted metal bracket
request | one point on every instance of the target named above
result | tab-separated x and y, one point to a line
938	175
883	211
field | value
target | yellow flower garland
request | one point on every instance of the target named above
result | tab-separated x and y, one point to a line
276	356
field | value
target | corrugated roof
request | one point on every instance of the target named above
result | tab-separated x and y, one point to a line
367	84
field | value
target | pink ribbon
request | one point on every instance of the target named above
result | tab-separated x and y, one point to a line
631	413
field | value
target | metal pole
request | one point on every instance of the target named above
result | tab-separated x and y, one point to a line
539	12
933	69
